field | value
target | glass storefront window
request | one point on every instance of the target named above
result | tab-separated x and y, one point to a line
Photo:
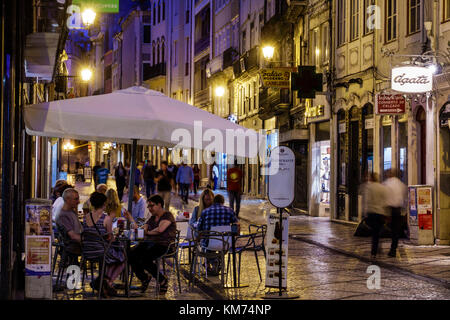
387	146
403	149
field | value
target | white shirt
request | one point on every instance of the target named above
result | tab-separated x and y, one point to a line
396	192
216	171
57	206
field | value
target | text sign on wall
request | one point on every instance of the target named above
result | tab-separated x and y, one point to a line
390	104
412	79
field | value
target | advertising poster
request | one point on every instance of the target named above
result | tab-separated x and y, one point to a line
425	208
412	205
274	231
38	221
426	221
38	255
424	197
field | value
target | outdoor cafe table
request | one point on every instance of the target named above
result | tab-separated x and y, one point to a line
234	237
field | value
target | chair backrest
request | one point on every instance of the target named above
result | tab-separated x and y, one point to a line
93	246
217	238
173	246
183	228
261	231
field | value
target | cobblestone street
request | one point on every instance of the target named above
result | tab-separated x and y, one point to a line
325	262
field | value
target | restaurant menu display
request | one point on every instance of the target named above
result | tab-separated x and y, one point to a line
274	233
38	237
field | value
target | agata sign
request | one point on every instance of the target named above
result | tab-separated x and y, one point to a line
412	79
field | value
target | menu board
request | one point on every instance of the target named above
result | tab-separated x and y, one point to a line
273	235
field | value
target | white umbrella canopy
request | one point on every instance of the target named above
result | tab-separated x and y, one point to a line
136	113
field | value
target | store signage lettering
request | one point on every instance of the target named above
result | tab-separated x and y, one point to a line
99	6
390	104
412	79
276	78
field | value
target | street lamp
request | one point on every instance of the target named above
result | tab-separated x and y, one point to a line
67	147
268	52
86	74
88	16
220	91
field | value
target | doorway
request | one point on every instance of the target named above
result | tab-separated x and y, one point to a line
354	164
422	145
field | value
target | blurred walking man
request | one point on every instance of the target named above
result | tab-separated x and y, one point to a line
396	200
234	179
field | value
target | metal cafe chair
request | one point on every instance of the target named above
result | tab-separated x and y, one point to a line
66	258
255	243
187	237
218	246
171	253
94	250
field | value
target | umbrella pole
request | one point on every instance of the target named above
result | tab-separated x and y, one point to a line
132	175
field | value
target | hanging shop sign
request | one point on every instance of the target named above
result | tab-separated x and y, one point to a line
278	78
99	6
390	104
412	79
369	124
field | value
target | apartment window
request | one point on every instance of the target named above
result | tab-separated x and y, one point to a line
187	16
413	16
325	37
341	21
391	20
446	10
159	11
146	71
154	53
315	50
187	57
154	13
244	40
367	15
147	34
354	25
164	11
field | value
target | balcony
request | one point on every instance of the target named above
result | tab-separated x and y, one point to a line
221	62
201	45
155	71
273	102
286	11
202	97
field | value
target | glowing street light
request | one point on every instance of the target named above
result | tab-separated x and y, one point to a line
86	74
268	52
88	17
220	91
68	147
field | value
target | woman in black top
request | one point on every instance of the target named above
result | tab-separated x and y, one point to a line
121	175
160	231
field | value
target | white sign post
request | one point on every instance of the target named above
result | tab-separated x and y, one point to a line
281	195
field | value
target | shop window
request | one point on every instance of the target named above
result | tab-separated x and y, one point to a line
421	144
403	149
386	145
367	147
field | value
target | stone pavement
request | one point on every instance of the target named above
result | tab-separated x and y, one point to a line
326	262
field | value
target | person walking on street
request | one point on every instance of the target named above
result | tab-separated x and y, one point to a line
234	179
137	177
215	175
196	171
397	192
95	175
102	174
185	177
375	195
121	178
165	184
149	179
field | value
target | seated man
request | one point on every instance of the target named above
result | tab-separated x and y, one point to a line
68	222
160	230
102	188
138	205
216	215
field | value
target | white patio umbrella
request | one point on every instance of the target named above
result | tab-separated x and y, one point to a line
136	115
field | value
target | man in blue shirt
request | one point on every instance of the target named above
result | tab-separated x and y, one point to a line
185	177
216	215
138	205
102	174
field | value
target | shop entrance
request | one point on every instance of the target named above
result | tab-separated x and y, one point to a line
300	149
354	164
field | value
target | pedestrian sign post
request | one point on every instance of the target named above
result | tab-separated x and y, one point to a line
281	195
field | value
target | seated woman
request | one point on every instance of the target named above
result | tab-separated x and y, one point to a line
113	207
160	230
206	201
99	222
